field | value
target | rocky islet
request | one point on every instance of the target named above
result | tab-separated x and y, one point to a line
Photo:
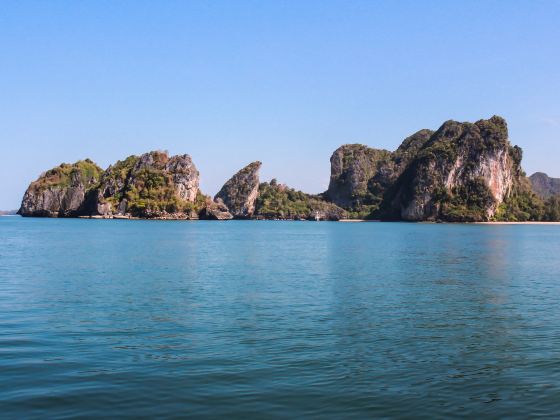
462	172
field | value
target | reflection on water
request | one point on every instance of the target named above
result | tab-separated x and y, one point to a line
247	319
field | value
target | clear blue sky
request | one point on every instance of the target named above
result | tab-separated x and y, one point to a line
284	82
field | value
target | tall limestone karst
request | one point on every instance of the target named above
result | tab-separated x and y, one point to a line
352	168
360	175
240	192
461	172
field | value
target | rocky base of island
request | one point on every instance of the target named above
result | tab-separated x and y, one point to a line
462	172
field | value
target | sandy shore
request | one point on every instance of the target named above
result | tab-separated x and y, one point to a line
357	220
517	223
459	223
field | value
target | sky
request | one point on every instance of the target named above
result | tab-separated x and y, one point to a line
283	82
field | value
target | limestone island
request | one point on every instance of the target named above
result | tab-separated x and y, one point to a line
463	172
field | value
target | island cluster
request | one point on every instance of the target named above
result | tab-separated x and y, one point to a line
462	172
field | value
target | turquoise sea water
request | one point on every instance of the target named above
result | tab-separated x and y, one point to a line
106	318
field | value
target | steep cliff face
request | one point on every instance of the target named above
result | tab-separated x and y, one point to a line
462	173
111	194
186	178
62	191
544	186
409	148
240	192
150	185
352	167
360	175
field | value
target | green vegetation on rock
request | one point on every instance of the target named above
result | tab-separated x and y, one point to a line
146	186
84	171
277	201
521	205
353	168
62	191
240	192
463	172
552	209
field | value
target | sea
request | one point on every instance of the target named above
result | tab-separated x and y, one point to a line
278	319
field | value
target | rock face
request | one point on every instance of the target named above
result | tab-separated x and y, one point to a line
185	177
544	186
461	172
151	185
240	192
215	210
62	191
360	175
352	167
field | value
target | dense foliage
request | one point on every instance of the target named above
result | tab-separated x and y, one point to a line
463	172
552	209
458	173
521	205
64	175
146	186
467	203
277	201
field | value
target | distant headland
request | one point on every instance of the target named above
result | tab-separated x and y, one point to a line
8	212
463	172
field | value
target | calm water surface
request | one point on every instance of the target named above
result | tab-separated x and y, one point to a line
278	319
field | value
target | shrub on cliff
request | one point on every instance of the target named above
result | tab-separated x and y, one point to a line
276	201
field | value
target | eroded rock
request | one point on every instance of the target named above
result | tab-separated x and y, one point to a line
61	191
240	192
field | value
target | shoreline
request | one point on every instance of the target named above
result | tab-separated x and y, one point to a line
450	223
98	217
516	223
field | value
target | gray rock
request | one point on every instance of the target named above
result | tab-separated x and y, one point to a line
61	191
240	192
544	186
151	185
215	210
352	167
462	173
185	177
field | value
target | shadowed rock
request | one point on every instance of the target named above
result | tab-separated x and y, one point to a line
61	191
215	210
360	175
462	173
240	191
